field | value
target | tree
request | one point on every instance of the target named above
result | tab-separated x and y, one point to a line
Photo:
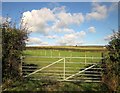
13	44
112	63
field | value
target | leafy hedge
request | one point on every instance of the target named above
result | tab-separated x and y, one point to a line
111	75
13	43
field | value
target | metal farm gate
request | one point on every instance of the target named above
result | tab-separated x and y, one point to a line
76	69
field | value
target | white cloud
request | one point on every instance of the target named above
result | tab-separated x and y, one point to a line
66	19
61	30
36	20
50	22
98	12
44	43
58	21
59	9
92	29
35	41
51	36
45	20
72	39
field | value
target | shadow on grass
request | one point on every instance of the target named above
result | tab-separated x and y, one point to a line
28	68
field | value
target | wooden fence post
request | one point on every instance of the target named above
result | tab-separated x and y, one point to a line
59	53
51	53
92	58
70	56
45	52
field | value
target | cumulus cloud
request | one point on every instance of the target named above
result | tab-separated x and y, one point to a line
92	29
72	39
36	20
98	12
49	22
45	20
35	41
61	30
66	19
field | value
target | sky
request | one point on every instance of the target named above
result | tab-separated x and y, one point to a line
65	24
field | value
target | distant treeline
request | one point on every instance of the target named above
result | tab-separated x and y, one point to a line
69	48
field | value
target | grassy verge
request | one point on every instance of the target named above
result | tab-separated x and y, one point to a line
51	85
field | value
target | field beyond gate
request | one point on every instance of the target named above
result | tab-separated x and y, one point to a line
62	65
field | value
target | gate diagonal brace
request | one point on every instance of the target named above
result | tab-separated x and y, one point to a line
44	67
80	72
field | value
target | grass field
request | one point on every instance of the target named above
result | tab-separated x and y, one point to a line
43	57
77	48
39	58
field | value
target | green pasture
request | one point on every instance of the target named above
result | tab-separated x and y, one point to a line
62	53
43	58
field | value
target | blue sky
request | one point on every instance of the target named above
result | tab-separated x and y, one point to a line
83	23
